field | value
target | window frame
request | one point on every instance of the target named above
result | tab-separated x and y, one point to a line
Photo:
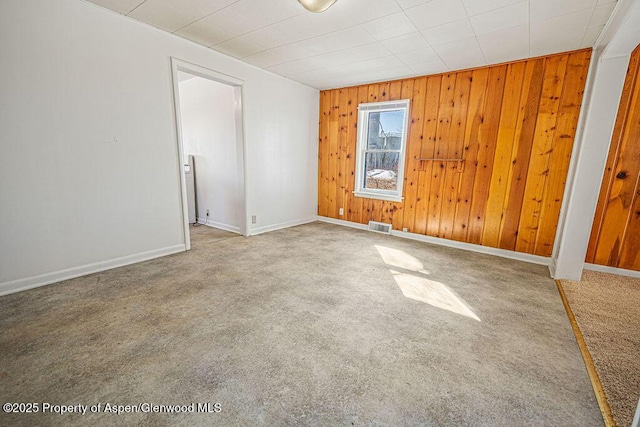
361	150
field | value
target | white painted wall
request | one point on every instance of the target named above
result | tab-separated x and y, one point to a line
73	77
207	112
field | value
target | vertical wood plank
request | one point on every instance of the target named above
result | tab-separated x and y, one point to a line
487	135
341	154
428	151
460	106
445	116
475	117
515	81
350	158
323	153
529	102
630	253
334	139
416	93
565	132
552	86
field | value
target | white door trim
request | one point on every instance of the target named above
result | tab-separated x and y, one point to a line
197	70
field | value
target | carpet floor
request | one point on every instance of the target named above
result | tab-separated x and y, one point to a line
607	310
311	325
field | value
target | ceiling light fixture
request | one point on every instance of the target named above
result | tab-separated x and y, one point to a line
317	6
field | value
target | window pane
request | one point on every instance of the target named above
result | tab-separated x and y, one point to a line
385	130
381	171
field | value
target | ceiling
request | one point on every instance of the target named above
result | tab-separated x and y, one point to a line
361	41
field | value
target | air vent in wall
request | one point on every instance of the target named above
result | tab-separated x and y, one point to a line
380	227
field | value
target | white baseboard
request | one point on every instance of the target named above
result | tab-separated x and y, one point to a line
219	225
612	270
267	228
83	270
533	259
552	267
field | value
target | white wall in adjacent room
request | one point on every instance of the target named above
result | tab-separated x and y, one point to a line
207	111
89	171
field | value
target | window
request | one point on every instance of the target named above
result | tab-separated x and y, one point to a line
382	135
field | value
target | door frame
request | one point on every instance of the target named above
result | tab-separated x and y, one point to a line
178	65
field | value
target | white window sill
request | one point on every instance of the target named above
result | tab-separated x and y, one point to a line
379	196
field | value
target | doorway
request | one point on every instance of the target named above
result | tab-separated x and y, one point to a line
211	149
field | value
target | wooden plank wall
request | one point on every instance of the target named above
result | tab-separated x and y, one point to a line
615	236
513	124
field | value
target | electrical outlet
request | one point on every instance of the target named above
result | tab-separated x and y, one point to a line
207	212
405	229
253	219
341	211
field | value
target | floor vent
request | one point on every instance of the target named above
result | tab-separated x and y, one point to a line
380	227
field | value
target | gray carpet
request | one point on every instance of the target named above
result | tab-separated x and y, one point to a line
307	326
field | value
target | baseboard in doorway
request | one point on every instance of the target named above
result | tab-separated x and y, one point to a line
280	226
219	225
83	270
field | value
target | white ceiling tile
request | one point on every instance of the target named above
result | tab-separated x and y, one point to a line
406	43
591	36
448	33
544	9
205	35
345	56
601	14
406	4
436	12
554	40
390	26
238	48
265	59
363	77
317	74
500	19
505	45
461	54
218	27
476	7
378	65
254	11
170	15
571	23
429	67
422	55
555	43
120	6
396	73
290	68
359	11
343	39
308	25
266	38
